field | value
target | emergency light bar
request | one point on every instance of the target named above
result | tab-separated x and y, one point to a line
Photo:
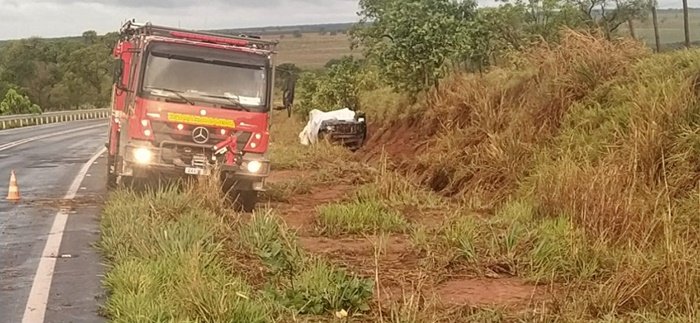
207	38
132	28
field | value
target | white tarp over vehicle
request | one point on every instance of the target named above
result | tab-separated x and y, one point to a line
310	133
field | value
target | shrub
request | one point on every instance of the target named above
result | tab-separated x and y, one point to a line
15	103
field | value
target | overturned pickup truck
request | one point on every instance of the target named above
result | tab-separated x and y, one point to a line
344	126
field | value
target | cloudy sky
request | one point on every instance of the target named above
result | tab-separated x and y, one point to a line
51	18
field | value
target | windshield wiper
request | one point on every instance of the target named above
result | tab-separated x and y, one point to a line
237	104
176	92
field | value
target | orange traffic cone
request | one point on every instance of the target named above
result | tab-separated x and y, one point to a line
13	192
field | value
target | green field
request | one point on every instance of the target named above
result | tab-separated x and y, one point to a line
670	27
312	50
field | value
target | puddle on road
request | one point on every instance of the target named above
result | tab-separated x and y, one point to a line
87	200
42	166
56	162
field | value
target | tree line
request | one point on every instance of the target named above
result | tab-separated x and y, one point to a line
55	74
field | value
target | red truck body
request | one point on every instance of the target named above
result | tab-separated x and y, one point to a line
186	102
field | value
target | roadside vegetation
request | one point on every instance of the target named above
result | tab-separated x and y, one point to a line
527	173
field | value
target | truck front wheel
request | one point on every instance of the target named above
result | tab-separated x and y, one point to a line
111	176
246	200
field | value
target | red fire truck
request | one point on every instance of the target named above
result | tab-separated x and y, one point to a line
187	102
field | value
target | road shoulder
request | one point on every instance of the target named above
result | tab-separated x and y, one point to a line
76	292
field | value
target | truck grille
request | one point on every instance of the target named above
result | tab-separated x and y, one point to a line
199	160
181	155
164	132
346	128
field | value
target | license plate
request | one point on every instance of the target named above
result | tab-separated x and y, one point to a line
195	171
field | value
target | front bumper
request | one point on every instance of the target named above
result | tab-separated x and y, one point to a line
350	140
173	158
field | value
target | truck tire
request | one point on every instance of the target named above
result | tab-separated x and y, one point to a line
111	177
246	200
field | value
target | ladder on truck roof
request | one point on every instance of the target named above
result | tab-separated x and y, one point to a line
131	28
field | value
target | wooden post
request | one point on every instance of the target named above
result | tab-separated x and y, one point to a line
630	24
655	22
685	24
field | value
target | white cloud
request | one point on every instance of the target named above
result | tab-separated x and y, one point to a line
52	18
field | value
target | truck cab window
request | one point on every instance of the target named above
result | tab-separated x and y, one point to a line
205	77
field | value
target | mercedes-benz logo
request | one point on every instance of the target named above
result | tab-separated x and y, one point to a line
200	135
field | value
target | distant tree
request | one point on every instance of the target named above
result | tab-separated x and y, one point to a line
59	74
91	66
338	86
297	34
15	103
110	40
412	40
333	33
284	72
331	62
89	37
610	15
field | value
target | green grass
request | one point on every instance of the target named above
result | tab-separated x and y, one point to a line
319	287
462	234
358	217
167	261
306	284
398	191
266	237
164	263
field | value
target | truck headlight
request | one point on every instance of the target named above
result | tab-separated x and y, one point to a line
254	166
142	155
360	119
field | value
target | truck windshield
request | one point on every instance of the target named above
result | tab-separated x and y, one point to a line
234	80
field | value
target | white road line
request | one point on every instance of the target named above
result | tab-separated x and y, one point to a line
26	140
38	299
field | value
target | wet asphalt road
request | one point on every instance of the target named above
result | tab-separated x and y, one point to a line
46	160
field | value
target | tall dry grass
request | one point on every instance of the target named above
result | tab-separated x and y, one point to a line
601	140
486	130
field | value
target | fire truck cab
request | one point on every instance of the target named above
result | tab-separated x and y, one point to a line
185	103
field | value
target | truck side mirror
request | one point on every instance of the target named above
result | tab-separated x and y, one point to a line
117	73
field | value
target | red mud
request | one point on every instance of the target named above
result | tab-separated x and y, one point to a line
485	292
300	212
